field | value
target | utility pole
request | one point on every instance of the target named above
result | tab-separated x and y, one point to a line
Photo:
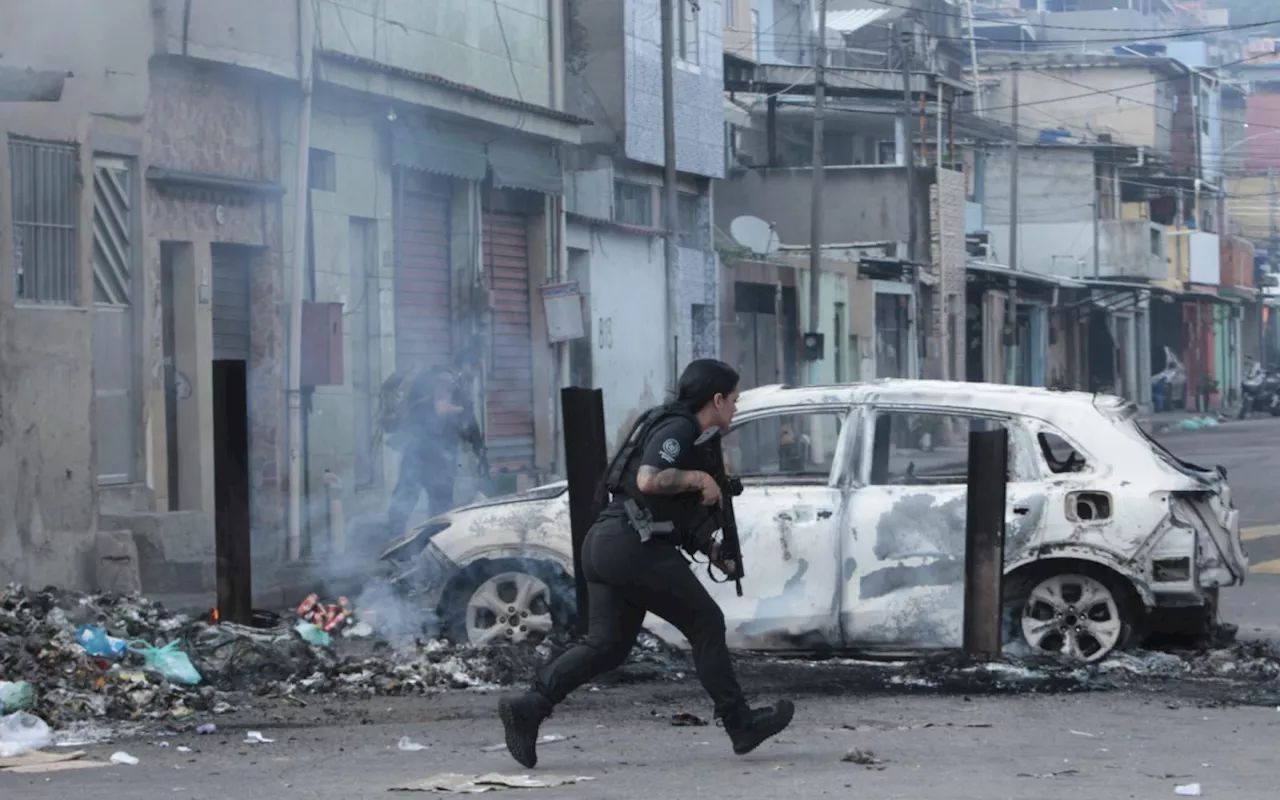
1272	252
1097	215
973	57
815	204
909	124
1013	179
670	215
1011	313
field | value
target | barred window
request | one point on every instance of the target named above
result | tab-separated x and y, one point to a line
633	203
43	183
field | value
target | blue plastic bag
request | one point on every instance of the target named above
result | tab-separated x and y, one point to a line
169	661
96	642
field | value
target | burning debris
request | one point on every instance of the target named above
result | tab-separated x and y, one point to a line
71	658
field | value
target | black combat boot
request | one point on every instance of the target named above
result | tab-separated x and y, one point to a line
521	715
749	727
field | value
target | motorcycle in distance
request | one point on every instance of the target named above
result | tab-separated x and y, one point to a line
1260	391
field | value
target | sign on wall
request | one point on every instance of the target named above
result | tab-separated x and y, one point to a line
562	303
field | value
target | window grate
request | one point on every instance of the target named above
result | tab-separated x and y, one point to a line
44	177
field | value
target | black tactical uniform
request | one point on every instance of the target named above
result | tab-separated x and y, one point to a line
632	564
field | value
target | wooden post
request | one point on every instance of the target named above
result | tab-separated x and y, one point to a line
585	460
984	541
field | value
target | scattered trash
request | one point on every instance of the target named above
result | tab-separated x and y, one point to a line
410	746
1187	790
864	758
1081	733
36	761
184	749
1059	774
169	661
16	696
21	732
327	618
313	634
121	757
97	642
455	783
544	739
255	737
684	719
206	729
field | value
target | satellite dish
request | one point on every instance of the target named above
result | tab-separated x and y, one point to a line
754	234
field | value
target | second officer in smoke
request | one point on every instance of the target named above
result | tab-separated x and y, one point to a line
662	493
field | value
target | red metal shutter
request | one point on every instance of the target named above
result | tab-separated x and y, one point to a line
423	315
509	389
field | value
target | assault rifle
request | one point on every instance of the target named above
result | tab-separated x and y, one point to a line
730	487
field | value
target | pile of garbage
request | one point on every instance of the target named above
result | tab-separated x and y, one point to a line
67	657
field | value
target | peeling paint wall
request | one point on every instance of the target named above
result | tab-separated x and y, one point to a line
626	305
47	437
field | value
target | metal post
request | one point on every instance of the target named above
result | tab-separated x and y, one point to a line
1097	215
973	57
815	204
908	124
585	461
1013	179
984	541
670	221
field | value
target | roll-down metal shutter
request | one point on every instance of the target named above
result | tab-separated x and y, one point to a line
509	390
423	317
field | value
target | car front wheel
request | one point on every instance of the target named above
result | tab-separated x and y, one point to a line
506	601
1076	615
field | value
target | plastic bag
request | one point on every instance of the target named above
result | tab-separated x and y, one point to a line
312	634
96	642
16	696
22	732
169	661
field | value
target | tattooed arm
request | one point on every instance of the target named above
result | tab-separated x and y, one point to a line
651	480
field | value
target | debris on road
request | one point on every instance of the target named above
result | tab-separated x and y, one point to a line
122	757
864	758
544	739
1062	773
21	732
256	737
455	783
683	719
409	746
1187	790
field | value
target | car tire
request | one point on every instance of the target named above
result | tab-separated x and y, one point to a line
467	611
1098	633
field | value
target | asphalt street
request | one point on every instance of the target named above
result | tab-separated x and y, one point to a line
1250	451
1138	743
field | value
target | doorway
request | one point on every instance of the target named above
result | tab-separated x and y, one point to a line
231	487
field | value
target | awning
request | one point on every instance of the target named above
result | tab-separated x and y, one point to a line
519	168
1000	270
441	153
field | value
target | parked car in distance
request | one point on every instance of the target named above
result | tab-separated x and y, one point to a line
852	526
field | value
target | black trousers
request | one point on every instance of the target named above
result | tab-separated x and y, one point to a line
625	579
417	474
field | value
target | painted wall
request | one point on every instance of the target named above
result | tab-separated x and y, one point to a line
1134	104
47	441
625	303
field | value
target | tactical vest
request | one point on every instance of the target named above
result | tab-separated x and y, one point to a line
651	515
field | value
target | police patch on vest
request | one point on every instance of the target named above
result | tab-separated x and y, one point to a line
670	451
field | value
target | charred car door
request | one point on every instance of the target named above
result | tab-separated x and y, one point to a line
791	464
905	540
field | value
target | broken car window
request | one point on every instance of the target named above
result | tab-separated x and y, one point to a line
1058	454
785	445
923	449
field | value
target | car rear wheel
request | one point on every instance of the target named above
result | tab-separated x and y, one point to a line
1077	615
507	601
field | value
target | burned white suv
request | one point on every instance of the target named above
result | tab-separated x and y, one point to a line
852	527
